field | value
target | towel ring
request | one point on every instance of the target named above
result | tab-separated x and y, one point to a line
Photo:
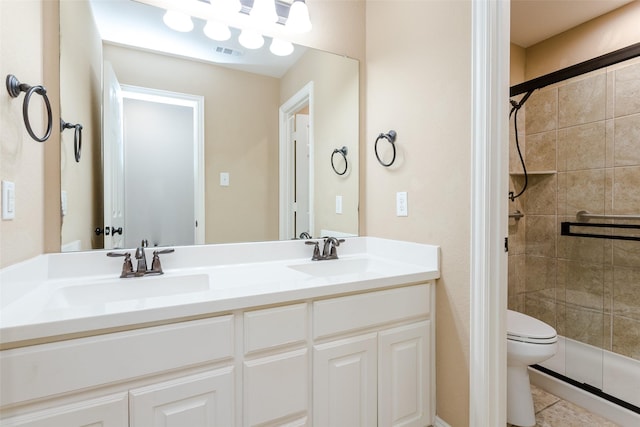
343	151
14	87
391	137
77	137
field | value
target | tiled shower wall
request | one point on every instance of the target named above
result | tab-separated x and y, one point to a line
581	143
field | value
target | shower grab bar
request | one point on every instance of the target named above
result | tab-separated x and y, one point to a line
517	215
584	215
565	230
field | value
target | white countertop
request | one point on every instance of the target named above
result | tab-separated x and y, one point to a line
56	295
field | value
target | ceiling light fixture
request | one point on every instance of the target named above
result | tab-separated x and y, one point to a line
281	47
298	20
264	12
217	31
251	39
178	21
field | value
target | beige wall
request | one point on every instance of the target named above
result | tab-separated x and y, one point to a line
21	158
418	71
81	86
241	137
518	63
601	35
336	94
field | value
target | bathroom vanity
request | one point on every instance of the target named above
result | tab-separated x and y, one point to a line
241	334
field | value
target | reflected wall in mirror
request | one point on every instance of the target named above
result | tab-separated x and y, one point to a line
242	156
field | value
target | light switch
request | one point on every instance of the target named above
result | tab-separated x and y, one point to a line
8	200
401	204
224	179
338	204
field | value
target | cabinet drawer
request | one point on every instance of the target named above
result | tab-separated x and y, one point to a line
275	327
339	315
49	369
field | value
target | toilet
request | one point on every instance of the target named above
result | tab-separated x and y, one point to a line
529	341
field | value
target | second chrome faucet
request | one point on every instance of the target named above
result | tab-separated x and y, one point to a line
141	268
329	250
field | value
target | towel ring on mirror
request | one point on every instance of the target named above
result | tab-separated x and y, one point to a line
77	137
391	137
14	87
343	151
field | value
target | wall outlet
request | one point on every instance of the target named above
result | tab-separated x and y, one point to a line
224	179
8	200
338	204
402	209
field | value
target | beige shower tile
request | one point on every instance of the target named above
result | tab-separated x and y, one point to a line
542	111
516	236
585	191
540	152
561	178
608	191
583	249
627	90
610	143
582	147
515	165
626	292
516	303
561	319
541	195
541	305
516	183
584	325
540	235
626	190
516	275
608	289
607	326
582	101
627	141
610	104
540	274
626	339
584	285
626	253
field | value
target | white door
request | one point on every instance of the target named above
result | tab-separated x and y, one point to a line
301	185
404	376
113	160
344	382
202	400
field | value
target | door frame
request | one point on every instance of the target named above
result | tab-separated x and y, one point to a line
196	103
302	98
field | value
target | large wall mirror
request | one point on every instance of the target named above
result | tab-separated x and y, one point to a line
186	140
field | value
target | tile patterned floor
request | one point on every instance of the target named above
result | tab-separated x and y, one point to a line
551	411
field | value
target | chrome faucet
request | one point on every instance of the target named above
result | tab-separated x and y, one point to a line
141	269
329	250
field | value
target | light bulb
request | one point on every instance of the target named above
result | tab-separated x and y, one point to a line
251	39
217	31
264	11
298	20
281	47
178	21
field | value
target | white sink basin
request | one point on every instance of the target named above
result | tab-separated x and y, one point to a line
139	288
337	267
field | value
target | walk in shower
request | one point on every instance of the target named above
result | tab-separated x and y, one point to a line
580	139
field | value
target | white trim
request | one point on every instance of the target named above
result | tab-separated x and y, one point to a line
488	281
196	103
439	422
303	97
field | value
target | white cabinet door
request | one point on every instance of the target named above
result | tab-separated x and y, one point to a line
202	400
344	382
404	376
276	388
109	411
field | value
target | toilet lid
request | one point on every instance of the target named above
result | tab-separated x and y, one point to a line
521	327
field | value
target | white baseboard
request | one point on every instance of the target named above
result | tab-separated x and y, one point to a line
593	403
439	422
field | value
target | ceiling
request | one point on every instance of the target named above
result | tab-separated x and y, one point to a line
533	21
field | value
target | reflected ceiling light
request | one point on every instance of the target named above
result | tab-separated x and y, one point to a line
178	21
298	20
264	11
281	47
231	6
251	39
217	31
